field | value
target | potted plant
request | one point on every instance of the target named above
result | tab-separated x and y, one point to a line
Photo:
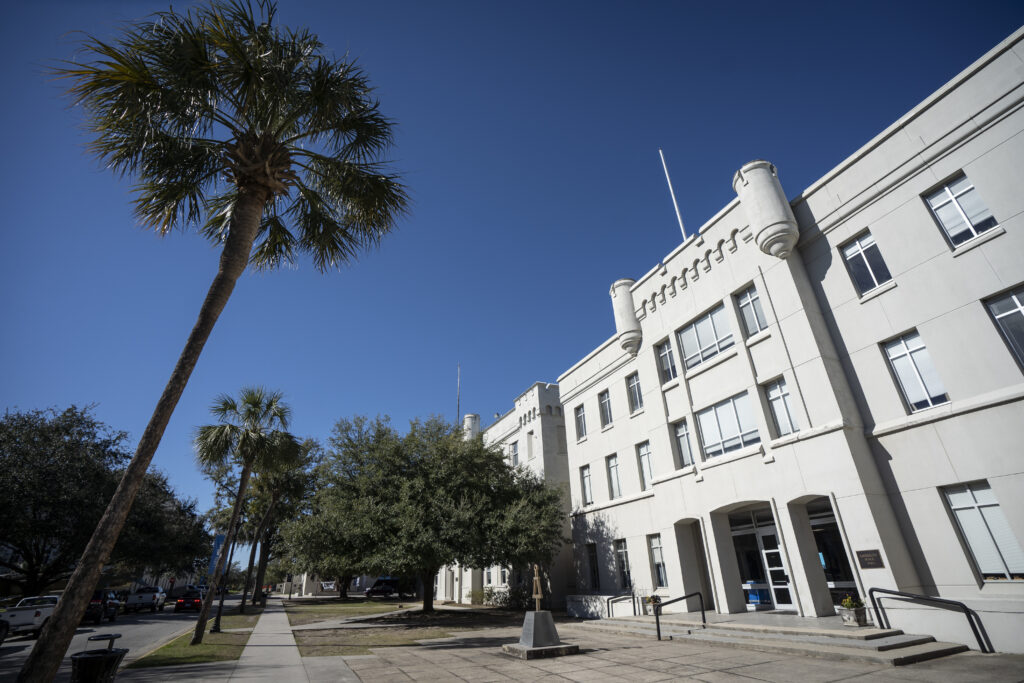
650	602
853	612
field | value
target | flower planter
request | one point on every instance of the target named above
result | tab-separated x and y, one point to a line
853	616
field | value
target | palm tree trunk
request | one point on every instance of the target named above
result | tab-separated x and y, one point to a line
204	612
248	575
252	552
262	571
45	658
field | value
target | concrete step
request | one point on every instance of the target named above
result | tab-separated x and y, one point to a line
862	633
892	648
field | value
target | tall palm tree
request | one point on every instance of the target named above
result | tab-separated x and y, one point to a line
251	433
242	129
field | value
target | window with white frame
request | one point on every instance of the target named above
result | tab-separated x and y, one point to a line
657	561
1008	311
751	311
782	409
727	426
682	436
594	567
865	264
604	405
996	550
636	398
581	423
705	337
513	453
643	461
488	576
585	486
529	445
958	208
504	576
611	464
622	564
915	372
666	361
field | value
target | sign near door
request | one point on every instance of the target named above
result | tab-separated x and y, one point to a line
870	559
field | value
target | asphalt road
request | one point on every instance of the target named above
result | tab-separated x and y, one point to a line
140	633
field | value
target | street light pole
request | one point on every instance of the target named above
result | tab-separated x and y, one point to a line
224	582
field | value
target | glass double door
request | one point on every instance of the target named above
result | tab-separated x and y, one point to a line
762	569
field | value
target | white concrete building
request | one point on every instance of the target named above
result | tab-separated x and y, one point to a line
813	397
532	435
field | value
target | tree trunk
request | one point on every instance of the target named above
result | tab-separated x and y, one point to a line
48	653
343	582
428	591
262	571
248	575
204	611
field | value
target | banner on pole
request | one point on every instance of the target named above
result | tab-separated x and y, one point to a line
218	545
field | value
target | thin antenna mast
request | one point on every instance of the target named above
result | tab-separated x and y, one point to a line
672	192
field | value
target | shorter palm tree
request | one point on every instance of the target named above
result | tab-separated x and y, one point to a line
252	434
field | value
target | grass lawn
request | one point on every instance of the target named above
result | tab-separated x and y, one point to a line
216	647
310	611
400	629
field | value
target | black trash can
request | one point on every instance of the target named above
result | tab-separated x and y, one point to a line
98	666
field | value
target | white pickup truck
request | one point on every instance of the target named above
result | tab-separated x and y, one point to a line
146	597
29	615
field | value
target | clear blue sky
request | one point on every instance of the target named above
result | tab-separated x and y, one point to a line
528	136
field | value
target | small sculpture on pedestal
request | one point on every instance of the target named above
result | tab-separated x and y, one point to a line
539	639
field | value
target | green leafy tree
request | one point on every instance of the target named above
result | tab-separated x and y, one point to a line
251	431
58	469
410	504
248	131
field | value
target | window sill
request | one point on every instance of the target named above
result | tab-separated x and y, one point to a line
877	291
989	234
674	382
759	337
745	452
622	500
636	413
950	409
707	365
582	439
675	474
607	427
804	434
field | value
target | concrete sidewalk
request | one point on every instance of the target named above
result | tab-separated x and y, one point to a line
272	654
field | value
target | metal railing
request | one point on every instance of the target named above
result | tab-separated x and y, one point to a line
659	605
968	612
619	598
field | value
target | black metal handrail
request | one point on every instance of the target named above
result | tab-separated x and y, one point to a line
659	605
968	612
619	598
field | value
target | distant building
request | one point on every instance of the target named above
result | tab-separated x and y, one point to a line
532	435
813	397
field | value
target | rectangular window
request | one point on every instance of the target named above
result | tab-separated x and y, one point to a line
727	426
581	423
705	338
488	576
588	492
504	576
958	208
751	311
611	464
643	460
636	398
917	377
594	567
622	564
529	445
666	361
864	261
513	452
1008	311
683	443
997	552
782	409
657	561
604	404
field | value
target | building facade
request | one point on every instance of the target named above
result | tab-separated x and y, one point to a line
813	397
532	435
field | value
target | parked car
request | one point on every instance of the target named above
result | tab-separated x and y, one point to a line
152	598
29	615
103	605
189	600
390	585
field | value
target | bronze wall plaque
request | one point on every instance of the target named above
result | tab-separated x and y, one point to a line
870	559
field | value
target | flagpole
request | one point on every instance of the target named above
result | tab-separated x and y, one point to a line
458	393
672	192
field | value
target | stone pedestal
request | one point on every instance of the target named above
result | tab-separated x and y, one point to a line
539	639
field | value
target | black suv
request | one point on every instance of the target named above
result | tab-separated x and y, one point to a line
103	604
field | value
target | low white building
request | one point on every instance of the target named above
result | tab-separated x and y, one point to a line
532	435
813	397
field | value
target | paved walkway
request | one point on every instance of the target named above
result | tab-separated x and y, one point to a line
476	656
